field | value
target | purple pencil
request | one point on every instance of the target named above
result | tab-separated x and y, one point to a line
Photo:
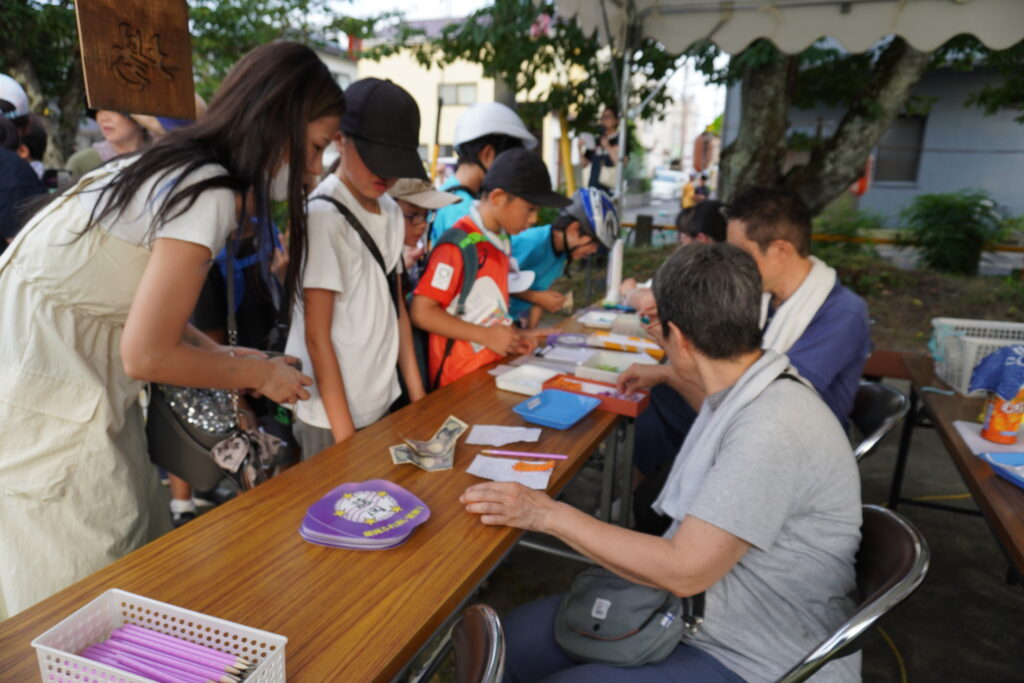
180	645
184	644
142	667
205	671
170	649
109	659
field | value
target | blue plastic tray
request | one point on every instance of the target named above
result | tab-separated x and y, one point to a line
1011	459
556	409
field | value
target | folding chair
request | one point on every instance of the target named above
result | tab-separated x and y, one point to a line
479	644
891	563
877	409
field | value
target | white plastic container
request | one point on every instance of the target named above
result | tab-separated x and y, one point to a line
95	621
959	344
526	379
598	367
597	319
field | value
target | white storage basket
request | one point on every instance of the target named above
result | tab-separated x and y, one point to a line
94	622
958	344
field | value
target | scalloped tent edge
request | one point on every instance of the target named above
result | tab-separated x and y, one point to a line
793	25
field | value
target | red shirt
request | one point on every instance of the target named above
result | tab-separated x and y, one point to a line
486	305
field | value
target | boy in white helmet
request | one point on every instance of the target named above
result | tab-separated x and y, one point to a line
483	132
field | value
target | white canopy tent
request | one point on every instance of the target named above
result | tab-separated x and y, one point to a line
792	25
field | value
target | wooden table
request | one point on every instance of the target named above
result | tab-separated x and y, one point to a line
348	615
1000	502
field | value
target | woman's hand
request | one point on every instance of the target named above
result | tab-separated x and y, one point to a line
509	504
284	383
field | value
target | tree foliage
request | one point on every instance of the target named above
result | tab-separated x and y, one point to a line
40	50
952	229
224	30
45	55
547	58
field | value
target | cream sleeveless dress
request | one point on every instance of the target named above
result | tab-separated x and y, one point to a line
77	490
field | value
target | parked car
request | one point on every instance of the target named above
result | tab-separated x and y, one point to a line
667	184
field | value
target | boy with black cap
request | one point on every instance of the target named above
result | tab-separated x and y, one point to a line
468	332
353	327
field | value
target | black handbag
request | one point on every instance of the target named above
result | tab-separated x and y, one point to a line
195	434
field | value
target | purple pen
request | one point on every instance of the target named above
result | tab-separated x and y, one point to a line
170	648
203	670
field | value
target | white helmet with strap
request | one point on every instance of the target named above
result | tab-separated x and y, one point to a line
491	118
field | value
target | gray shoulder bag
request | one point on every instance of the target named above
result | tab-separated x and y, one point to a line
605	618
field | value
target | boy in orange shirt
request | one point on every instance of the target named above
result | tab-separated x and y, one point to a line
467	334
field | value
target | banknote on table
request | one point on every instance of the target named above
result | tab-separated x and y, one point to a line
443	440
401	454
404	455
434	455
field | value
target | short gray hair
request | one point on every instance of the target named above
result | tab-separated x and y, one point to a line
712	292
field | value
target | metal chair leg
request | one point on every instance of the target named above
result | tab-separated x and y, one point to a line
904	451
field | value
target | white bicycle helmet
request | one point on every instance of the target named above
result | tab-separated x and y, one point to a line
595	211
491	118
11	91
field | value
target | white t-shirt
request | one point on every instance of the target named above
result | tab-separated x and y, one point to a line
208	221
364	327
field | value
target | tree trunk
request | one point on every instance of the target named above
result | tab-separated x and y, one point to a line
755	157
834	166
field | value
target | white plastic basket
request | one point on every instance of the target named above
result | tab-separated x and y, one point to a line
958	344
94	622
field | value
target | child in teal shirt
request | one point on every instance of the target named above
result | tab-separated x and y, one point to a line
590	223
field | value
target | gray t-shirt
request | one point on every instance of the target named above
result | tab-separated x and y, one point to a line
785	481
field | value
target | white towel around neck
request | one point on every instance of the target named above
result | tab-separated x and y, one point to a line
697	455
796	312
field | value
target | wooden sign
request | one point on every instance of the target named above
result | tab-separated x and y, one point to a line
137	56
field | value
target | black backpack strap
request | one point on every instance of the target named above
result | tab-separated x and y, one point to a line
466	242
390	277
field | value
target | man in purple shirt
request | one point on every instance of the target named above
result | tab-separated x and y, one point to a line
821	325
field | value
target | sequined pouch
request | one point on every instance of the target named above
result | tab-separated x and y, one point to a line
193	434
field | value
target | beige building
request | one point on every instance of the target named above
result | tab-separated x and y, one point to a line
447	93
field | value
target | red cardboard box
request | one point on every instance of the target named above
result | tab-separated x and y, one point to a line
630	407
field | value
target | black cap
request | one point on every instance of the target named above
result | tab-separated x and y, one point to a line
522	173
384	123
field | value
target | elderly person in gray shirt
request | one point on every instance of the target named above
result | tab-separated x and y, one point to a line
764	495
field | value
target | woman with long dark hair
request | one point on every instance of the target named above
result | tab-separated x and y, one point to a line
95	296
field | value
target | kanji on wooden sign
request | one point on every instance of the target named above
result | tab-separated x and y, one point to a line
137	56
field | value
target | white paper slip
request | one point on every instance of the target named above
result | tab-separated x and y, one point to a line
496	435
500	370
503	469
970	432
